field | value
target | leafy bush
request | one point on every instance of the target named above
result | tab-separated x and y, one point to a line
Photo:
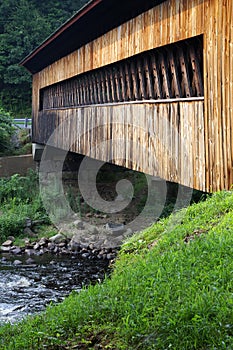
22	188
6	131
11	224
19	199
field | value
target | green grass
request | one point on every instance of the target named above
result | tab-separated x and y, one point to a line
19	199
171	288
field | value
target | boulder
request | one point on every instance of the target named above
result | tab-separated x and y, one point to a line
43	241
58	238
36	246
5	249
7	243
17	262
30	261
16	250
116	229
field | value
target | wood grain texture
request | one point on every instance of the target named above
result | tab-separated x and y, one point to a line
160	139
211	132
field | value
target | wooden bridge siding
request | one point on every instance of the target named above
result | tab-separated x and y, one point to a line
163	24
167	23
218	53
161	139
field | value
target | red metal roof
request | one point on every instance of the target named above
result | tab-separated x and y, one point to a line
94	19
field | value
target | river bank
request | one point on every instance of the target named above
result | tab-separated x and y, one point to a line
171	287
76	242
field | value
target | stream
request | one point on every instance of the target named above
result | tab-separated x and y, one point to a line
26	289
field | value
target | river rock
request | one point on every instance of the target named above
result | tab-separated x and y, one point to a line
30	252
58	238
56	250
78	224
51	245
17	262
116	229
36	246
5	249
62	244
91	246
16	250
111	256
74	246
30	261
75	239
26	241
7	243
43	241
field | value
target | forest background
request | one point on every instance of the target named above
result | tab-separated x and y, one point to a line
25	24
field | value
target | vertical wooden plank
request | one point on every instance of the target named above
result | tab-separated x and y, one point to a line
157	93
197	76
128	82
78	92
117	85
185	82
90	89
103	87
108	87
142	85
112	85
148	76
122	82
218	98
165	77
94	86
175	84
98	86
135	87
230	109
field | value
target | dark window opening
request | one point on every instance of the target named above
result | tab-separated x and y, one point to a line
171	71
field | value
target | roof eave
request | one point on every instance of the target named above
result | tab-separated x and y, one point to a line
82	12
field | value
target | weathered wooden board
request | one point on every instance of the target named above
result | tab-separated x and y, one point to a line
154	74
161	139
166	23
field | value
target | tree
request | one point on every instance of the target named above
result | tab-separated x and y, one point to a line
22	30
24	24
6	131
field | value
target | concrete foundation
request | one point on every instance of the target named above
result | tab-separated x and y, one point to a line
16	165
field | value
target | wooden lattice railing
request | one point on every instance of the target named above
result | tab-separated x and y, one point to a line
172	71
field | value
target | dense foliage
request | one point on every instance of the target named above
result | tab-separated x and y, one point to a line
6	131
19	199
24	24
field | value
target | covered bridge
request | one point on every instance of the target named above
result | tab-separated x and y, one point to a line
145	84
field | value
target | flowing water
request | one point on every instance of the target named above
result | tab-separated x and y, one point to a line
27	288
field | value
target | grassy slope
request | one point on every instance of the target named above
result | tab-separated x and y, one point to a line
176	295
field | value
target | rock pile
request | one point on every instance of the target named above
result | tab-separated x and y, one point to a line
74	238
59	246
